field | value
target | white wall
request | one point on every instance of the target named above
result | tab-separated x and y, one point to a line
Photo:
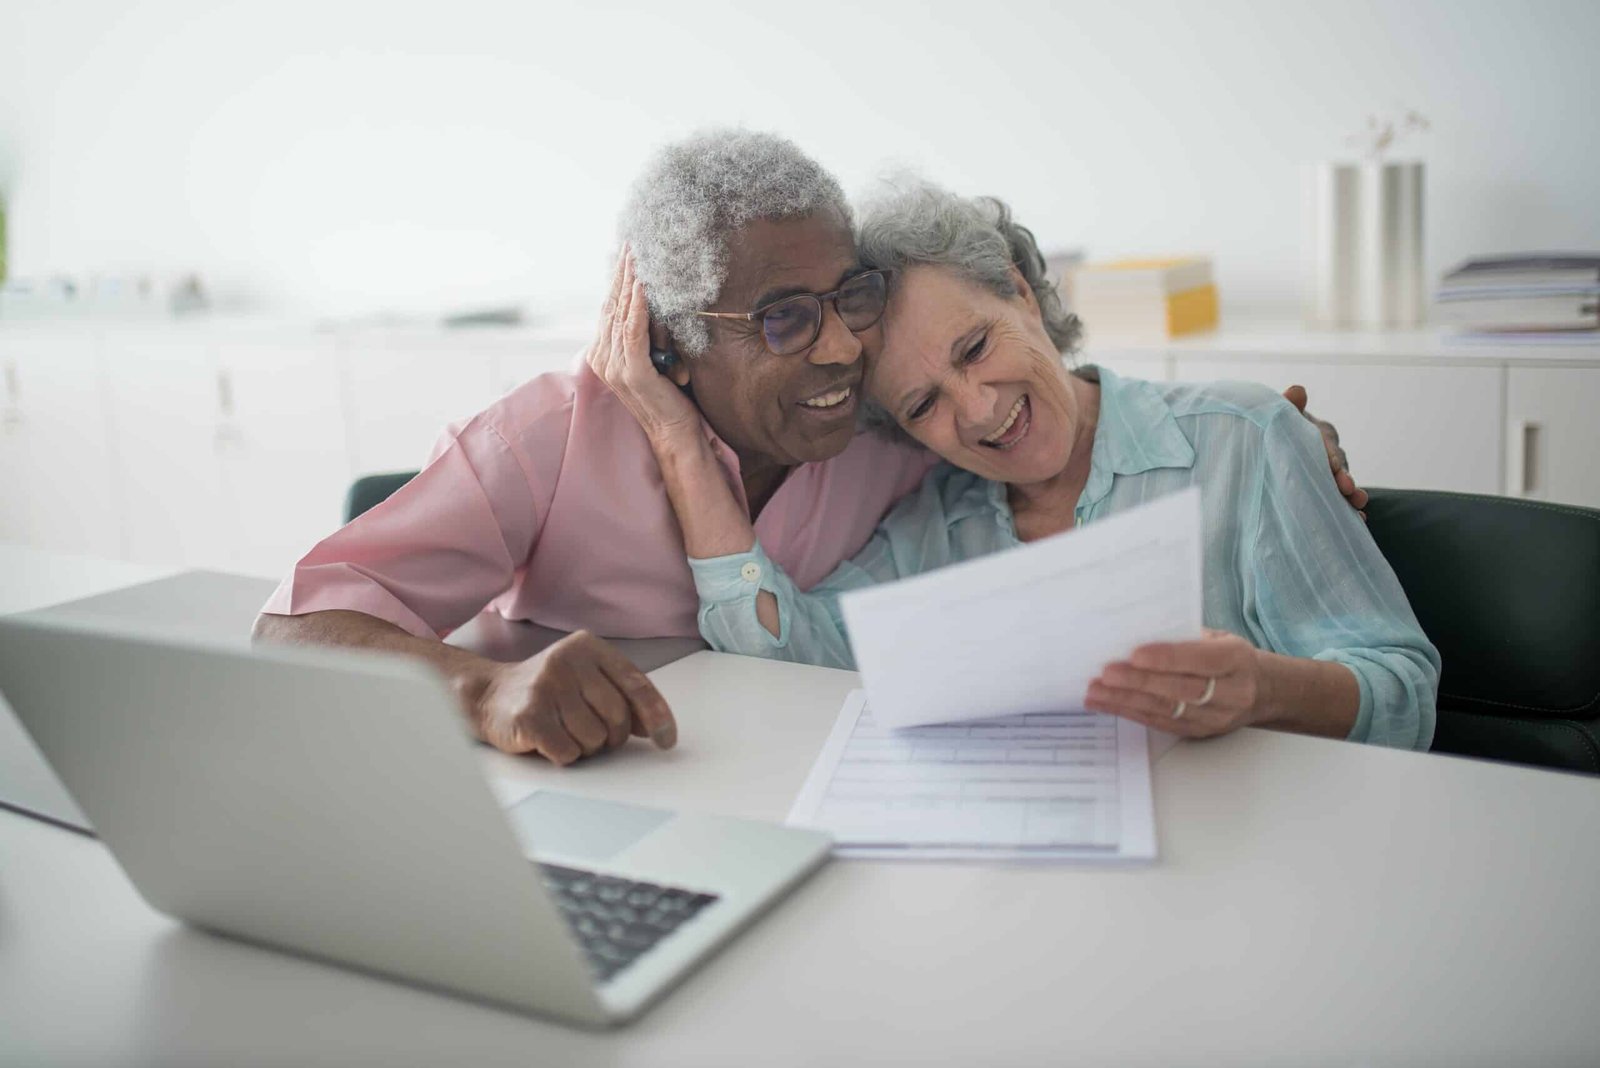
354	157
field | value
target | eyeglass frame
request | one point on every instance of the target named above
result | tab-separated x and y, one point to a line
821	299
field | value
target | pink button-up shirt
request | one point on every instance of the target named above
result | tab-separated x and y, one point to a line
548	506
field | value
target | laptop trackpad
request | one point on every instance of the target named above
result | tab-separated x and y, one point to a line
582	828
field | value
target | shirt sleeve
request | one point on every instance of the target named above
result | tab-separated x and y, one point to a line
435	553
912	538
1323	590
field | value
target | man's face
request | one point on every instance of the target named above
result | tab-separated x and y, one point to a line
785	409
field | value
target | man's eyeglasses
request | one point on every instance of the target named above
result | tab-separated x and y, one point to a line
792	324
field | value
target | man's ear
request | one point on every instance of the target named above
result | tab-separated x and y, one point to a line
661	338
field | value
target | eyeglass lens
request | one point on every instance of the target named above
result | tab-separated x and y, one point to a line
793	324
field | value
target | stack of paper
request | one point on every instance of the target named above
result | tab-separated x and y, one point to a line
1045	786
1525	296
1145	299
997	655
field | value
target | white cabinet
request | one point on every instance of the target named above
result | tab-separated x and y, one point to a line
169	425
1553	434
403	390
56	477
284	460
230	445
1405	427
519	358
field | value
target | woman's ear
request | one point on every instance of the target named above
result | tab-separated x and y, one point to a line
661	341
1024	290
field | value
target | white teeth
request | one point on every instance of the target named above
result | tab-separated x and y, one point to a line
1016	410
828	400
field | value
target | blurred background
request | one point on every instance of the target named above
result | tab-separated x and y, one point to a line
353	158
319	186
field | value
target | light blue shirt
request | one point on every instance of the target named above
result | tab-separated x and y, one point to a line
1288	563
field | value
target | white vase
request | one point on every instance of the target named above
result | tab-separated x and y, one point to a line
1364	245
1333	212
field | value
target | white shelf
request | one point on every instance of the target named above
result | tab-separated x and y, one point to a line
1285	340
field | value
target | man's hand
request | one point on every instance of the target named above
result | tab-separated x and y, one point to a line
1337	461
576	698
620	357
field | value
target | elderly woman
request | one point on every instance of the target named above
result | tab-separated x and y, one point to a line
1311	631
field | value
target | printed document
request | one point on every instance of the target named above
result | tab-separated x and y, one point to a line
1040	786
1028	629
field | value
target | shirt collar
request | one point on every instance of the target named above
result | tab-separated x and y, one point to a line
1137	432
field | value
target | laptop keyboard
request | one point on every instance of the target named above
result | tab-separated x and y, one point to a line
618	920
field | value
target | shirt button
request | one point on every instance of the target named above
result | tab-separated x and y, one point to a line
751	572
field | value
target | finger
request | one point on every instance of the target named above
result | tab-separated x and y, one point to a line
541	731
1141	711
623	309
619	304
1197	721
1296	395
1337	460
648	708
584	725
609	704
1360	497
638	333
1170	688
1214	656
507	736
615	291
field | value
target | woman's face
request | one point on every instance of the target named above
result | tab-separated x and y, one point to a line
974	377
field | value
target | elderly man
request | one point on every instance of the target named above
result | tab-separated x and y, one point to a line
549	506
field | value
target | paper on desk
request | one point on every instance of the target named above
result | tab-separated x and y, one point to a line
1028	629
1043	786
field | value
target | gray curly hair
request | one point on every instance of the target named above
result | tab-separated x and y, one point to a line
692	195
916	223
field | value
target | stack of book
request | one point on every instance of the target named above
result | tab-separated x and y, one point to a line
1543	294
1146	299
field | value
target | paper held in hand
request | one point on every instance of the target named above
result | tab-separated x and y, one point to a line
1027	630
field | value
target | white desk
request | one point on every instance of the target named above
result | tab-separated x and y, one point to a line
1315	902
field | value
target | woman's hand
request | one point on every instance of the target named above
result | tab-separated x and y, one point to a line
1197	689
620	356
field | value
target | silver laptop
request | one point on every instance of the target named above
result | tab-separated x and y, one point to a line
329	803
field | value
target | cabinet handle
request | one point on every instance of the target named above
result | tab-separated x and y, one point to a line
227	437
1526	459
12	416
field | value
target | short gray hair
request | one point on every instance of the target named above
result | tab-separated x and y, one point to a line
696	192
916	223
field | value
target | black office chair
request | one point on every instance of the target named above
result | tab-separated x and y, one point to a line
369	491
1509	591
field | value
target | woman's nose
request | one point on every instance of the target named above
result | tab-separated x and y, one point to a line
975	403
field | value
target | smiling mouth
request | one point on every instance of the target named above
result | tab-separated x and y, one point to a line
829	401
1015	427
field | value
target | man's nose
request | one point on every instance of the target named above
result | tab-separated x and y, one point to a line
835	343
